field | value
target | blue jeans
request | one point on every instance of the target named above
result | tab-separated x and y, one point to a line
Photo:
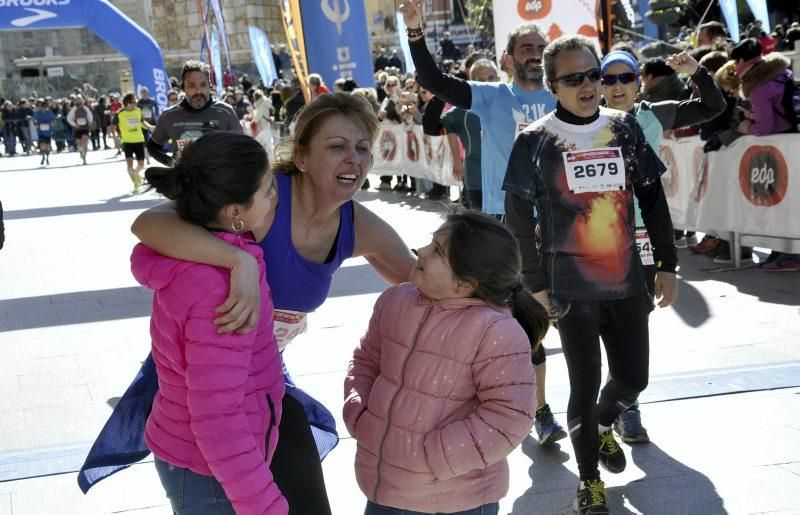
377	509
191	493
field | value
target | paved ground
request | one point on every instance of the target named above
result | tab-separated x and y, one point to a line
723	407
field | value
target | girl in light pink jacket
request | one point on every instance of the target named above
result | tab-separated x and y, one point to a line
441	388
214	421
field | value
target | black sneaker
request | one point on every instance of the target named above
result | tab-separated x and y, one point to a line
592	498
612	458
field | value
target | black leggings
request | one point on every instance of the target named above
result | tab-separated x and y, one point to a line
295	466
622	325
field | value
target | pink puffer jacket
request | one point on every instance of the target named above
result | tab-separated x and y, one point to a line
437	395
219	397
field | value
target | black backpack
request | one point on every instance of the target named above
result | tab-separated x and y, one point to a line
791	102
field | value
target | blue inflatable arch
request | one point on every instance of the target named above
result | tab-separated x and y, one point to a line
107	22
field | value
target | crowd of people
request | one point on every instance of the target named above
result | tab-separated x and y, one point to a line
562	180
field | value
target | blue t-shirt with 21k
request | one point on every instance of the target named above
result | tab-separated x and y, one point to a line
505	110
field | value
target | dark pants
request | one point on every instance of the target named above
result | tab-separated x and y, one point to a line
623	327
377	509
295	466
190	493
474	199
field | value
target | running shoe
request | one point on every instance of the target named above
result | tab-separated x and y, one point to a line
680	243
547	429
628	426
612	458
706	245
592	498
782	265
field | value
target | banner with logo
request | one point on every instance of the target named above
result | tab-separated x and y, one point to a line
262	55
408	151
731	15
293	28
338	29
108	23
557	18
216	62
749	187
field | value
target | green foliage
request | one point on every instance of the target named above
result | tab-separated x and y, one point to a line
480	16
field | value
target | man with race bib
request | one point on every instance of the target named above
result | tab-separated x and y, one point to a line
80	118
580	167
504	109
196	114
132	125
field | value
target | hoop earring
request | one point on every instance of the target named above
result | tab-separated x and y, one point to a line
237	225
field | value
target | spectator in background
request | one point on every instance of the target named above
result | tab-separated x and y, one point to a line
9	115
241	104
317	85
173	97
2	227
711	34
792	35
25	115
660	81
396	62
285	60
448	49
768	43
382	61
101	118
292	100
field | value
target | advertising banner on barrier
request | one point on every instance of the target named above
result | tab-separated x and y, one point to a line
746	188
408	151
338	29
108	23
557	18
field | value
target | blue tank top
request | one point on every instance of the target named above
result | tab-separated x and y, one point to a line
298	284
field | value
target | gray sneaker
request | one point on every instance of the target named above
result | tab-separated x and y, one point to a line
628	426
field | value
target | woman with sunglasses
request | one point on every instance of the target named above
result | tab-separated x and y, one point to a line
579	168
621	83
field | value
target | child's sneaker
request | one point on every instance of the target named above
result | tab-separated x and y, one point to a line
592	498
628	426
547	429
611	456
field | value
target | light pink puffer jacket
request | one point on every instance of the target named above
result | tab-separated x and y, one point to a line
437	395
219	397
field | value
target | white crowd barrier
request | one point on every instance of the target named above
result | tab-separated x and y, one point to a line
750	188
402	150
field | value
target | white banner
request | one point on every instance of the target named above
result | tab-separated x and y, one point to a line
411	152
751	187
557	18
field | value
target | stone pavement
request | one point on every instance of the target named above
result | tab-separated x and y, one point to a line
723	407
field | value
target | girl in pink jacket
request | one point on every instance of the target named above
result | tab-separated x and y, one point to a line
214	421
441	388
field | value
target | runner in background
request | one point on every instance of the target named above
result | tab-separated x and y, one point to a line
132	128
80	118
44	119
114	105
150	113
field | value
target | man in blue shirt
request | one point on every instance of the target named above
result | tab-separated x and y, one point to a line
504	110
43	120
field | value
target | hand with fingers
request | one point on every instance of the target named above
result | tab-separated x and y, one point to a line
666	288
683	63
412	13
241	310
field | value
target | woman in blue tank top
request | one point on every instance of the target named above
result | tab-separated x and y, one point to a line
315	227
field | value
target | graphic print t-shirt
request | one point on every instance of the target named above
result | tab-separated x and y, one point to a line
504	110
180	126
572	173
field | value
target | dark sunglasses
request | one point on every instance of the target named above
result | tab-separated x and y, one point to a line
624	78
576	79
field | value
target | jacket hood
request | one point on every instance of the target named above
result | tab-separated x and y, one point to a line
771	67
156	271
452	302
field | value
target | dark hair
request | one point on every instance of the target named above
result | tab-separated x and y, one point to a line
483	250
657	67
700	52
128	98
715	29
216	169
570	42
627	46
193	65
523	30
713	61
748	49
314	115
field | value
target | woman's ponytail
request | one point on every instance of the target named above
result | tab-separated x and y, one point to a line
166	181
530	314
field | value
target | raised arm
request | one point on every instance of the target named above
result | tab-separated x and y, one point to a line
451	89
709	105
380	244
161	229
